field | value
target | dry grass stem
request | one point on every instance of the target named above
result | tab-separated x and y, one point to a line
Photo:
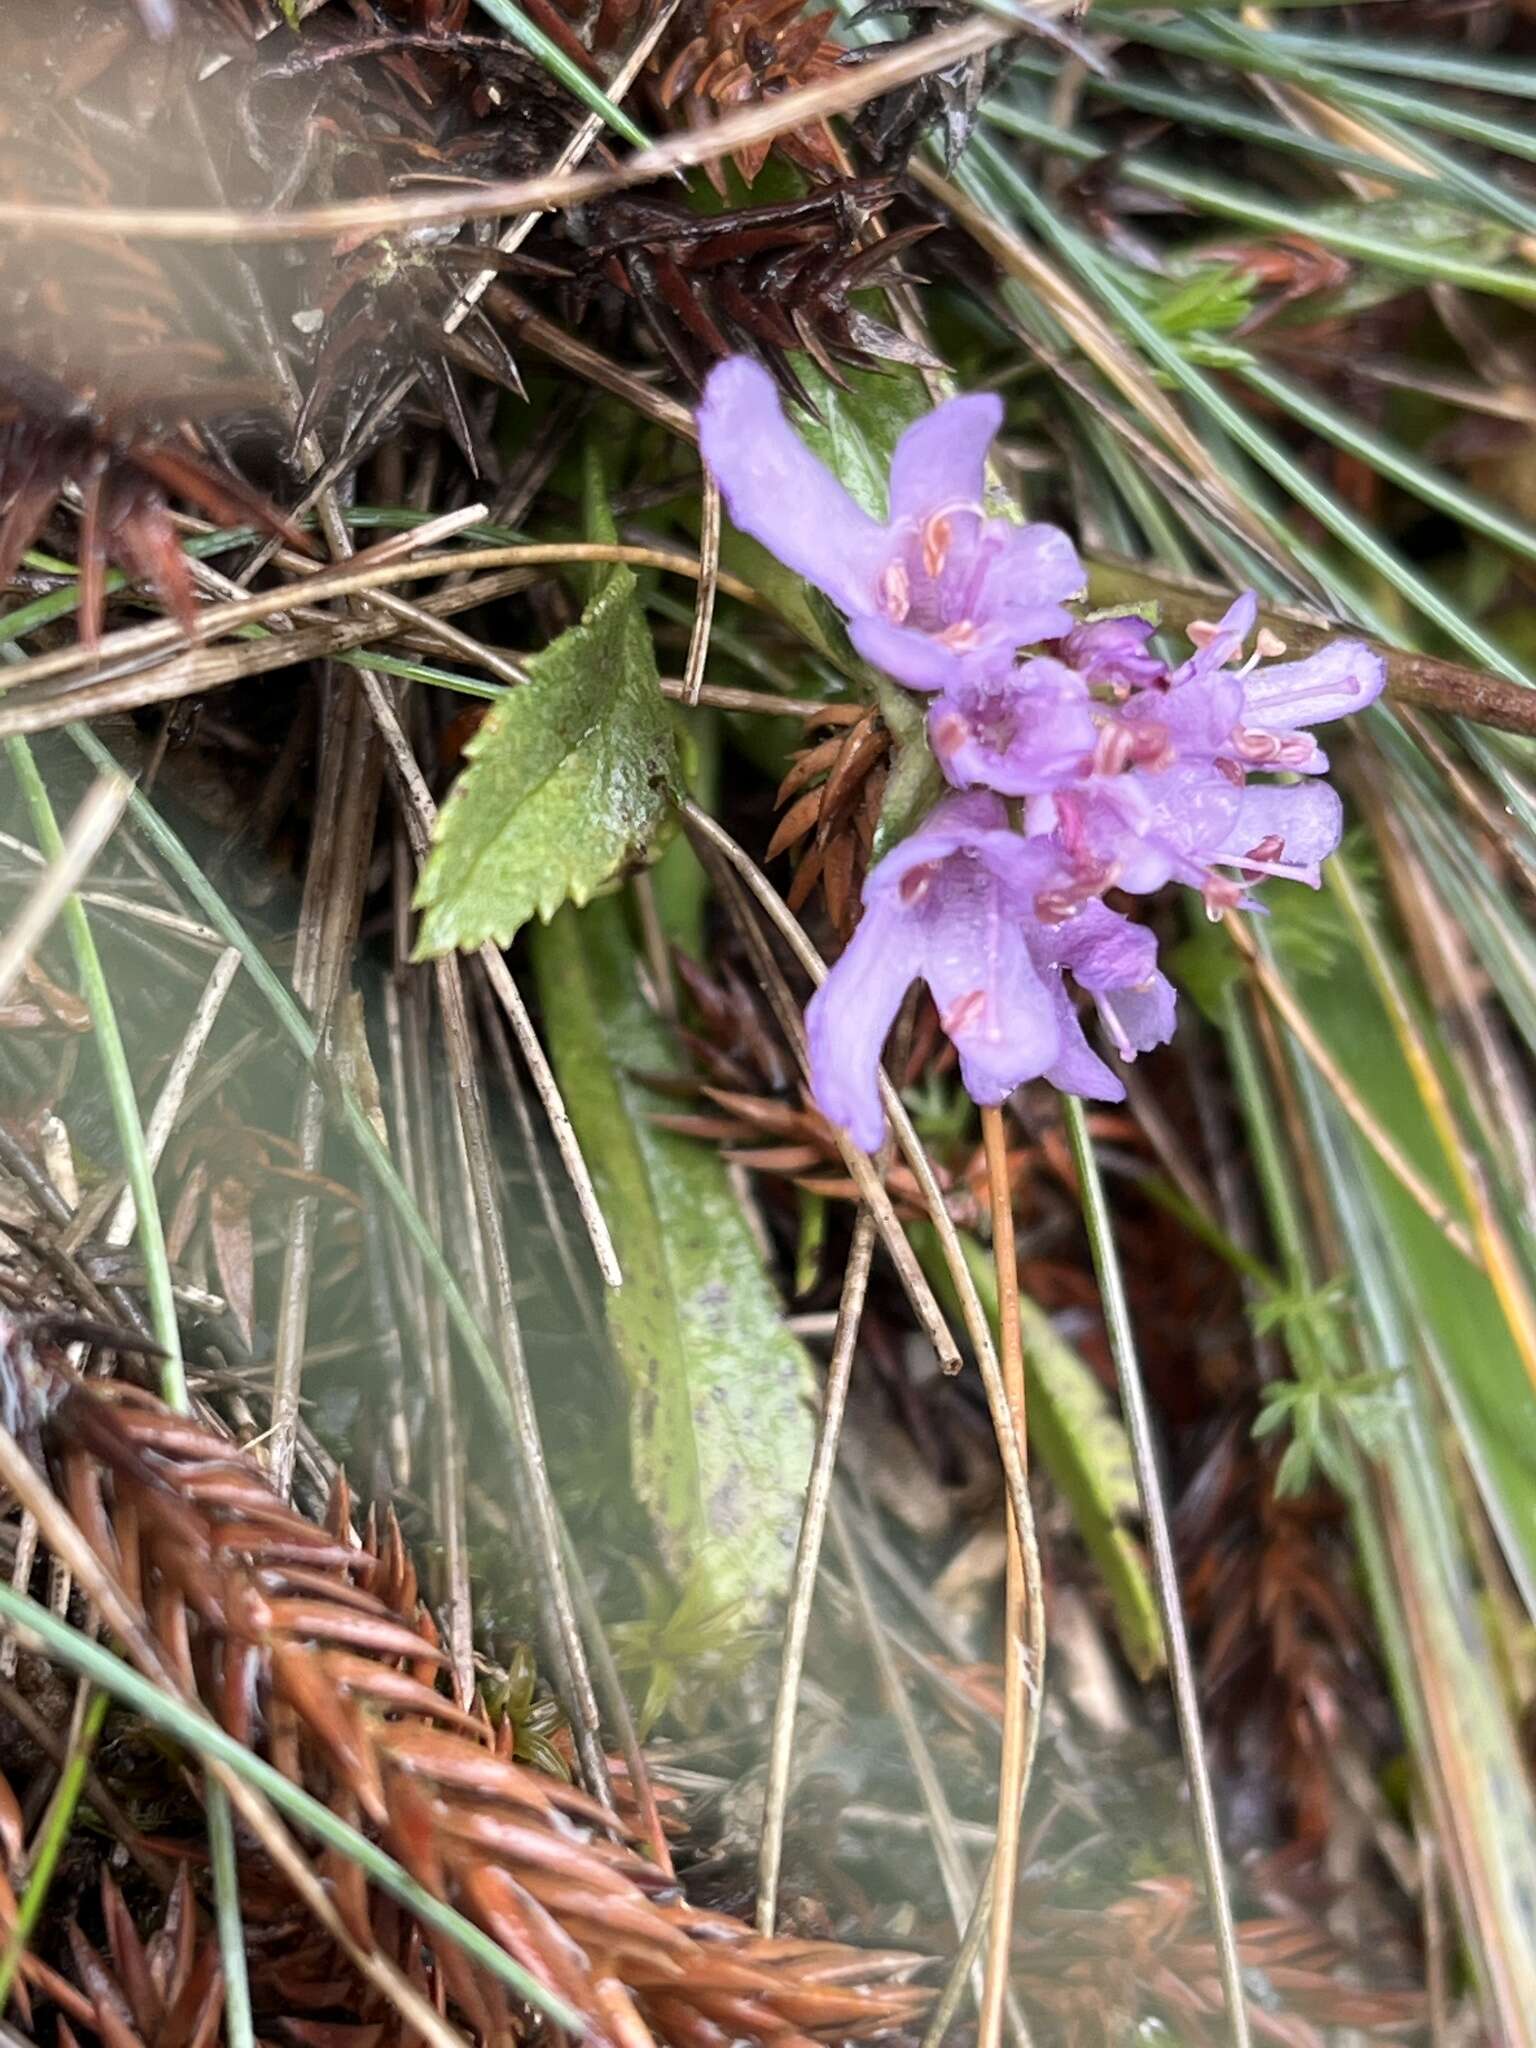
761	122
1278	993
89	830
802	1592
1023	1675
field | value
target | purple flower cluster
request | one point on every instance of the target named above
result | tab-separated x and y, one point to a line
1131	773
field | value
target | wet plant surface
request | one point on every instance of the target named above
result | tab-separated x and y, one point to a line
505	1532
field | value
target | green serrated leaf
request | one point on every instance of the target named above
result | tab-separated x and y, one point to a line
568	781
720	1421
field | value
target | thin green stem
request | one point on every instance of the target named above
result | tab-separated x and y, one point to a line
173	1385
119	1079
238	2019
50	1847
1138	1423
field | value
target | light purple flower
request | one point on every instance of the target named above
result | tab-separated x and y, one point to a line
1170	798
1020	729
939	579
958	905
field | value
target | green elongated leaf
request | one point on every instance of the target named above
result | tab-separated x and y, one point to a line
1455	1311
568	781
720	1419
1081	1443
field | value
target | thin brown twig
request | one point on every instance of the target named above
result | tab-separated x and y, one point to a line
1022	1679
1412	678
351	579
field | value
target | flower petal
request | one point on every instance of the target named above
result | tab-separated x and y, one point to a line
849	1017
1306	819
1077	1068
778	492
993	1005
1115	650
1026	566
1341	677
1103	950
916	659
1198	716
941	460
1226	639
1139	1018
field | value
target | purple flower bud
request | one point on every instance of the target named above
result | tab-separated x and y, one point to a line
1114	652
939	579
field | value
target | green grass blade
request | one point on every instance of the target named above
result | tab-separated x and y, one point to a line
570	74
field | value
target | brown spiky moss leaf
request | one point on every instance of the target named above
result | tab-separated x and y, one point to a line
765	280
107	362
742	53
833	793
1279	1634
1098	1973
386	107
715	56
315	1650
889	129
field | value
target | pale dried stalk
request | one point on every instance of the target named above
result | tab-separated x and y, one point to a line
802	1592
709	583
162	1118
89	830
842	93
1278	993
1023	1677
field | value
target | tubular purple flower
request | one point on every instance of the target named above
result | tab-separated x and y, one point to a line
1170	799
939	578
958	905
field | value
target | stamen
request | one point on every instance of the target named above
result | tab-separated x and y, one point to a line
1269	644
960	636
1221	895
937	534
895	591
914	884
964	1012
